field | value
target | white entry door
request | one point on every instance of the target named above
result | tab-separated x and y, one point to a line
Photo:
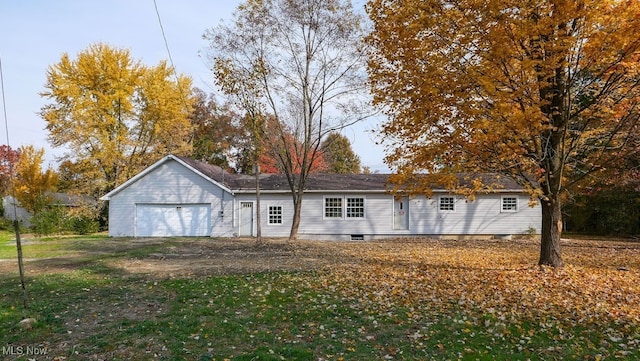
173	220
401	213
246	219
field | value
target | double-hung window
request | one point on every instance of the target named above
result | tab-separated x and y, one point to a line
355	207
333	207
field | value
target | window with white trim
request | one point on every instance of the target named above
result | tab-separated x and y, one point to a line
355	207
344	207
447	204
275	214
333	207
509	204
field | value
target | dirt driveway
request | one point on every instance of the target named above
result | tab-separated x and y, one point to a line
202	257
166	258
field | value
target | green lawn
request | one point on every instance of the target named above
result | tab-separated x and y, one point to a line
395	300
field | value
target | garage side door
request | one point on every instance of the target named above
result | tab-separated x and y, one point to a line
173	220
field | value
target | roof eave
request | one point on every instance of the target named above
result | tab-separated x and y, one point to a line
155	165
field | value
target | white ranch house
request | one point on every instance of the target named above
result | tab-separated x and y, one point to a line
178	196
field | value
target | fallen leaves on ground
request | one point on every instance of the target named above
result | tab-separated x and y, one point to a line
496	285
407	298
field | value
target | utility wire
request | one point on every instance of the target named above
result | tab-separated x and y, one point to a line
173	67
16	225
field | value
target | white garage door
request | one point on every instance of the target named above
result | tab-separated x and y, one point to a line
173	220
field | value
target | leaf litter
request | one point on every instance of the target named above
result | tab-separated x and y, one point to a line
443	294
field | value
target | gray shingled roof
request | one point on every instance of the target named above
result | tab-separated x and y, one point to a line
72	200
320	182
278	182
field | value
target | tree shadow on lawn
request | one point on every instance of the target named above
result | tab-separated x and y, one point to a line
188	257
79	260
119	285
74	304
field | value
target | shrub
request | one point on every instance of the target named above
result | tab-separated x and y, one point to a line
56	219
49	221
7	225
84	225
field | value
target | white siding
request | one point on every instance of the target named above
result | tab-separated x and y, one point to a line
173	184
378	216
266	200
483	216
170	183
480	217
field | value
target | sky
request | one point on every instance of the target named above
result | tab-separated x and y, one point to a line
35	33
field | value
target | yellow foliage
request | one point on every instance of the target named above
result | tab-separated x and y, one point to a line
545	92
506	86
115	115
32	185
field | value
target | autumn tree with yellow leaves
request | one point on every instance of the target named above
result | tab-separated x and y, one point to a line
33	186
115	115
544	92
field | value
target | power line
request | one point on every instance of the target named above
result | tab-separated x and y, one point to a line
173	67
4	105
13	195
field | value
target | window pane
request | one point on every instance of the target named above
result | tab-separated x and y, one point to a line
333	207
275	214
509	204
355	207
447	204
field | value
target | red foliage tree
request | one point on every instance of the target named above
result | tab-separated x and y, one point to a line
270	163
9	158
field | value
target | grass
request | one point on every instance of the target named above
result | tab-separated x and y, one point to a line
398	300
70	246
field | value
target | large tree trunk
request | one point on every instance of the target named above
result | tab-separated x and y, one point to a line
258	217
551	232
297	207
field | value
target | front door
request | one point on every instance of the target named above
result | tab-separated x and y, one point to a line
246	219
401	213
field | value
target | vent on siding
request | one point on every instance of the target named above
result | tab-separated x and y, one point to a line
357	237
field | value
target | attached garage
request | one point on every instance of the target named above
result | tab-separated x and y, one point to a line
175	197
173	220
